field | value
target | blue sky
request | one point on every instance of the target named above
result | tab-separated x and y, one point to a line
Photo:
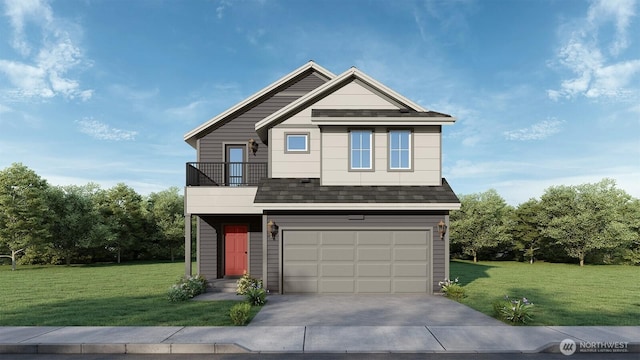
545	92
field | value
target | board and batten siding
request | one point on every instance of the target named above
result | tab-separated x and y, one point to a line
323	221
211	247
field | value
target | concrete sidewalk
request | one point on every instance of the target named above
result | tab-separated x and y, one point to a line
310	339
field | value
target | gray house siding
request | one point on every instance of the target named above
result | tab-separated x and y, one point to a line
241	128
211	247
336	220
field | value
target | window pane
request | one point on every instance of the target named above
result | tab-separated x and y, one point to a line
395	140
296	142
366	159
361	149
404	159
355	159
400	149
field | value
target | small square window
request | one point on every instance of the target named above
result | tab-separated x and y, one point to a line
297	142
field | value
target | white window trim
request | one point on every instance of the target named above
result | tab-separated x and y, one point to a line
296	151
371	150
410	149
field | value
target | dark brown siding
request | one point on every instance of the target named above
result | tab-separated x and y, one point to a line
341	220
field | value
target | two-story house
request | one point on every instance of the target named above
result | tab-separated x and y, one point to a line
322	183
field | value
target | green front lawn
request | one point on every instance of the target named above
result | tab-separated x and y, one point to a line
563	294
102	295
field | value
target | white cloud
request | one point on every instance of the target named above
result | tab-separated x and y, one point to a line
102	131
597	75
537	131
42	73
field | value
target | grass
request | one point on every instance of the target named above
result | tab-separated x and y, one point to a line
102	295
563	294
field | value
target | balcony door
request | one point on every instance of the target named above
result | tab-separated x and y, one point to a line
235	156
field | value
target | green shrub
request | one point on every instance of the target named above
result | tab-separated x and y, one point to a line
452	289
187	288
246	282
514	311
256	296
239	313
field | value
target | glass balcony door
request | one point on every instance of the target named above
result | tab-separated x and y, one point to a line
235	159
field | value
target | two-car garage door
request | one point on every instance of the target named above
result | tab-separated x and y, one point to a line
356	261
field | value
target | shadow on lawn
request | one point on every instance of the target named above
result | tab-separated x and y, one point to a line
467	272
121	311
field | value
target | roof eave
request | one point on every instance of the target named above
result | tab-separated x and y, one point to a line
359	206
191	136
402	121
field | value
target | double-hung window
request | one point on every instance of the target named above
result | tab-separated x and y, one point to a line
399	150
361	150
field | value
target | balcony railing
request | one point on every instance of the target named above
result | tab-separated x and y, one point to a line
225	173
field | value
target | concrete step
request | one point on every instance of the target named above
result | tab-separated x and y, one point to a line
224	285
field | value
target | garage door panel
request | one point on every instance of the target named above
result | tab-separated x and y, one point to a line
337	286
301	269
410	269
411	238
375	270
374	286
337	254
374	254
301	285
374	237
410	254
338	238
301	254
406	286
356	261
301	238
337	270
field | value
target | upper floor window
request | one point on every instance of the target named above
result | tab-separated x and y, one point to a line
297	143
361	149
399	149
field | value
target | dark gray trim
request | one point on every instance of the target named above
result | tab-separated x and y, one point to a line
375	113
297	133
411	150
373	148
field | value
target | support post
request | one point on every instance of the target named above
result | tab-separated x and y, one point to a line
187	245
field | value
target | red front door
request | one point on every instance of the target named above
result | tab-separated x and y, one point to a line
235	249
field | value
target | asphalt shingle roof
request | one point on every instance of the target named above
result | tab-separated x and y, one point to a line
374	113
288	190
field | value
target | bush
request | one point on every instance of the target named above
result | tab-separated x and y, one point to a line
187	288
239	313
514	311
256	296
246	282
452	289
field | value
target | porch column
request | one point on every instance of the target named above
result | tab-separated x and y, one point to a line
187	244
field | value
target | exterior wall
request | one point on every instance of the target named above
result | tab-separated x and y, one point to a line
426	168
301	165
326	220
221	200
240	129
211	248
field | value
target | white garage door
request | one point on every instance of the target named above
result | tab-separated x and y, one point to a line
356	261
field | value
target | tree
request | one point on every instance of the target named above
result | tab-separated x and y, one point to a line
481	223
74	225
586	217
22	208
122	213
526	229
167	211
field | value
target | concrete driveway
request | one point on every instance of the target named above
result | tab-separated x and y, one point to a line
368	310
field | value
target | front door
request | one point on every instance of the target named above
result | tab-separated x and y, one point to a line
235	249
235	157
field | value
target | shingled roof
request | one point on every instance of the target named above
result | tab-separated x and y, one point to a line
287	190
375	113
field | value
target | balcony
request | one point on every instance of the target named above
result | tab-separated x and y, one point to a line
232	174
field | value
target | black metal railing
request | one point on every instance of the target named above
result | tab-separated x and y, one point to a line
225	173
